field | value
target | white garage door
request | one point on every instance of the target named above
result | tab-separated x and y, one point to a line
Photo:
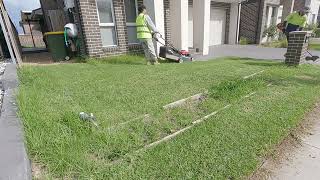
218	19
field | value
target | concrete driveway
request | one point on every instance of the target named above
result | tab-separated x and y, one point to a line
246	51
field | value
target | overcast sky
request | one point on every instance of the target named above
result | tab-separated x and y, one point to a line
15	6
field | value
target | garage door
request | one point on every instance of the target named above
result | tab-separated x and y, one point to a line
218	17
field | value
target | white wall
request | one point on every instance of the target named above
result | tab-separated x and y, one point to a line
233	27
190	26
314	8
201	25
156	13
179	23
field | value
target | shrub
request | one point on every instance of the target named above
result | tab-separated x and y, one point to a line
317	33
313	28
243	41
271	32
283	43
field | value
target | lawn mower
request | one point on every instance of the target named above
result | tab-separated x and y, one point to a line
311	57
171	53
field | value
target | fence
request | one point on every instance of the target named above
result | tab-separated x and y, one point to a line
26	41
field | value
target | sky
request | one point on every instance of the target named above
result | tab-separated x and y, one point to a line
15	6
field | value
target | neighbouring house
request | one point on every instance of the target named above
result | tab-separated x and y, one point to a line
32	24
290	6
108	26
222	23
257	16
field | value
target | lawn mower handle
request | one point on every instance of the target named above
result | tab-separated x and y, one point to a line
171	45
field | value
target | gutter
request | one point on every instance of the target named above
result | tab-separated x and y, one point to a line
238	23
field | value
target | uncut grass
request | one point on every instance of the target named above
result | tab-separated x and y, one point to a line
228	145
50	99
231	144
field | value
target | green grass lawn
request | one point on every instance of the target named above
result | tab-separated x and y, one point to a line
228	145
314	47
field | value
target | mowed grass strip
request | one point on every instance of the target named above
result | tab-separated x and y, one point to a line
50	99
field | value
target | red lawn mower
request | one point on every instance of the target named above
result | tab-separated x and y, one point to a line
171	53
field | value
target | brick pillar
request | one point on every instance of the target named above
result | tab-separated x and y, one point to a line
90	27
297	47
121	26
167	18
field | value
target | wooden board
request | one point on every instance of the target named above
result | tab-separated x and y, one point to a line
10	35
57	20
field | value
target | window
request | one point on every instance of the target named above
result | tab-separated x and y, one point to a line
274	16
267	15
106	22
271	16
131	15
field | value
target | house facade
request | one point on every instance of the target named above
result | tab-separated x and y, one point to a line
257	16
290	6
108	26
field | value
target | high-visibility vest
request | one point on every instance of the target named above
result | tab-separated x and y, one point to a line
143	31
296	19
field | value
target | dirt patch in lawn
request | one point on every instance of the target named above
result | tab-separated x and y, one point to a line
39	171
288	147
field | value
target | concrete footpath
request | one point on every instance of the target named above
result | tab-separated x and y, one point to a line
246	51
14	163
299	156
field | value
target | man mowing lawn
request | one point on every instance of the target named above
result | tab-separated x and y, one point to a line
145	30
296	21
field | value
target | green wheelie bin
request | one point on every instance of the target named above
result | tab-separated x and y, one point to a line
56	45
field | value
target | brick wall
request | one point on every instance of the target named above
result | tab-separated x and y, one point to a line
253	17
91	30
90	27
249	20
167	18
